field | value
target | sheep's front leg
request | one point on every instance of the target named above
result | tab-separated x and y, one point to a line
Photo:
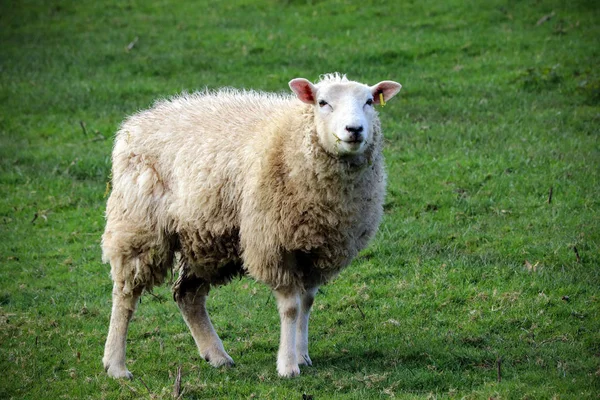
193	308
123	307
288	304
306	303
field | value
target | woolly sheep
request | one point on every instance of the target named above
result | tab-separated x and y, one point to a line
286	189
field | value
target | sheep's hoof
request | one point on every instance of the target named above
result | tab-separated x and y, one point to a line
304	359
288	371
218	358
118	372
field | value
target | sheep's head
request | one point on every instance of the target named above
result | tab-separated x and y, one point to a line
344	110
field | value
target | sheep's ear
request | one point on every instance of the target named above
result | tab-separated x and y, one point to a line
304	90
386	88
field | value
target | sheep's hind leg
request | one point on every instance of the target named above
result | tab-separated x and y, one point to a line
192	304
306	302
123	307
288	304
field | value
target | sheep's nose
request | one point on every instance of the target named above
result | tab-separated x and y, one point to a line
354	129
355	133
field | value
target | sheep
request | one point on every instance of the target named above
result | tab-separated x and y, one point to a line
284	188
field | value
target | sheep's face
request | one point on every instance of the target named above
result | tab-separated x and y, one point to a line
344	111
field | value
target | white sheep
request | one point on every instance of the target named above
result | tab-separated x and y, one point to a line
287	189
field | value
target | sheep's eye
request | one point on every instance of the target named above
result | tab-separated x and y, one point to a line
370	102
322	103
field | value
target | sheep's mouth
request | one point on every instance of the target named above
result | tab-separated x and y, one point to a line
351	146
353	142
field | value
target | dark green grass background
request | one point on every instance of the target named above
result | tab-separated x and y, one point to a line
472	264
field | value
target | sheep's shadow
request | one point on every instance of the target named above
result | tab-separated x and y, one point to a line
352	360
419	369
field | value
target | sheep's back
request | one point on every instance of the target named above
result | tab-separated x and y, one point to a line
182	162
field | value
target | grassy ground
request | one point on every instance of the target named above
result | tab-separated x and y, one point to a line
475	261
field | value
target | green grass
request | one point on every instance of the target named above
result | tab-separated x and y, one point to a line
472	262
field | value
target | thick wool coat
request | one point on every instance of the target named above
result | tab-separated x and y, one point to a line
237	182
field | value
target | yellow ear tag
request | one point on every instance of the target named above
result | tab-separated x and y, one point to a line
381	100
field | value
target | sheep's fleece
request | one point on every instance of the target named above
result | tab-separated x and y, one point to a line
284	188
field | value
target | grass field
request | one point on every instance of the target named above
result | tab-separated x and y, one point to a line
488	258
